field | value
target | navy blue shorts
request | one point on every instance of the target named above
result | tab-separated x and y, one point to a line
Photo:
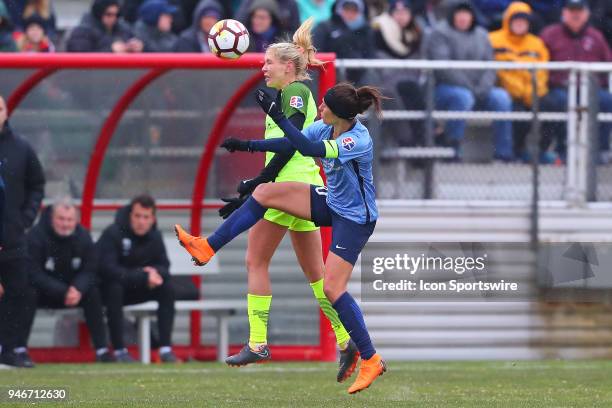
348	237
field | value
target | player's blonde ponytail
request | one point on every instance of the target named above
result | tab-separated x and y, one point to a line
301	51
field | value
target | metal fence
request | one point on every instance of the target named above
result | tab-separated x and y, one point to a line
161	131
423	172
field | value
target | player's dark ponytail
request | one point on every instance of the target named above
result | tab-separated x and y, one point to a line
346	101
370	96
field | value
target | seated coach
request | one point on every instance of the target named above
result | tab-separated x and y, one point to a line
134	268
63	272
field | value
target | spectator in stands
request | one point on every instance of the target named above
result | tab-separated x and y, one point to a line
101	30
130	12
63	272
429	13
513	42
348	34
459	38
287	12
154	26
134	268
602	18
574	39
195	38
7	44
25	184
44	10
34	37
490	12
398	36
264	25
319	10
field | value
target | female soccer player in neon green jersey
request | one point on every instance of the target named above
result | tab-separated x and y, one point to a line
284	69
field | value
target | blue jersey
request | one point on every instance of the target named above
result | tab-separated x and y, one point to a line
350	184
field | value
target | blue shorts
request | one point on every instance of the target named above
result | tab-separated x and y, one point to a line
348	237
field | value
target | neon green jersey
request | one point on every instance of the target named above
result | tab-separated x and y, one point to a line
296	97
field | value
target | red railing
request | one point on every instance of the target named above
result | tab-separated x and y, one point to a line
158	65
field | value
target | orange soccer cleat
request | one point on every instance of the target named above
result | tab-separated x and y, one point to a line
198	247
368	371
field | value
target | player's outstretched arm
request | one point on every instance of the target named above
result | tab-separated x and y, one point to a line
300	142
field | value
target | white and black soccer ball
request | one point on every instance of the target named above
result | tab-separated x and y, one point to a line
228	39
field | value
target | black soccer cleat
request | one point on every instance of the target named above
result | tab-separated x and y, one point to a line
249	356
168	357
124	357
19	360
348	361
106	357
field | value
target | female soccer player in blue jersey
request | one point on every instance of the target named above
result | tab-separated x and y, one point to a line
347	204
285	69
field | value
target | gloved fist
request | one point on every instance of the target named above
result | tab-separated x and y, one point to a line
232	205
232	145
247	186
269	105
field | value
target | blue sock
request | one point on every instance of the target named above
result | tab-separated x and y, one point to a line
352	320
241	220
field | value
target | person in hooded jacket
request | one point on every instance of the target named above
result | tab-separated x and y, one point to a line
264	25
130	12
288	14
102	30
349	35
7	44
63	272
513	42
134	268
459	38
195	38
154	26
24	188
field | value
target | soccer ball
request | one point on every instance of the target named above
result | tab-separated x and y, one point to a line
228	39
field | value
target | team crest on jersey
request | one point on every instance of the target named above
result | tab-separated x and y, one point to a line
76	263
296	102
50	264
348	143
126	245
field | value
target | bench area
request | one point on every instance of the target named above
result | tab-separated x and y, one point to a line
144	313
221	310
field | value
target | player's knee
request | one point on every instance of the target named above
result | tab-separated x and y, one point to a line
263	193
331	289
255	265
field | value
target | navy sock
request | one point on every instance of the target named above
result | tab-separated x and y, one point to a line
241	220
352	319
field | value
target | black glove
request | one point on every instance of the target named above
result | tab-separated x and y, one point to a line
233	145
269	105
232	205
246	187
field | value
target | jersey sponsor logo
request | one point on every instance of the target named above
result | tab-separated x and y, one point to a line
339	247
348	143
296	102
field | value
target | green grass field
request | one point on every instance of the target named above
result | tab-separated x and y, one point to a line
422	384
